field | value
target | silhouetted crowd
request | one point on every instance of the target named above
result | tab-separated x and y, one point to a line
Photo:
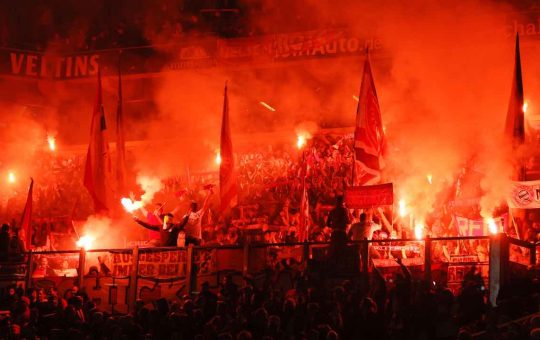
286	303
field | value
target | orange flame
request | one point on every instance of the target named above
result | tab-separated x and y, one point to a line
402	208
430	178
419	231
85	242
11	177
52	142
300	142
525	106
493	227
131	205
218	157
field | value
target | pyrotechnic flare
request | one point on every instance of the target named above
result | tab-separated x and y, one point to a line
525	107
369	141
430	178
419	231
85	242
131	205
402	209
493	227
300	142
218	158
52	142
11	177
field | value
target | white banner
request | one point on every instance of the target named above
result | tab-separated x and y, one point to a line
525	195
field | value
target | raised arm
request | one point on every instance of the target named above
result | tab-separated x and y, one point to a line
146	225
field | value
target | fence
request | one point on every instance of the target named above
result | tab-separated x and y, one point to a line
122	276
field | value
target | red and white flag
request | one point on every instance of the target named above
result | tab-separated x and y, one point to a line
369	141
26	220
98	162
228	185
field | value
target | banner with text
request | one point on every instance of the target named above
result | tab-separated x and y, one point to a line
368	196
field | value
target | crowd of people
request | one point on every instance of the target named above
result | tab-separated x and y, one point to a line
310	306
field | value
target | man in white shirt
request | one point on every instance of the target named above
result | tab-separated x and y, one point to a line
193	227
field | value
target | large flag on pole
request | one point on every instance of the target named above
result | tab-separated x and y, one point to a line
228	186
98	162
515	116
120	142
304	221
369	141
26	220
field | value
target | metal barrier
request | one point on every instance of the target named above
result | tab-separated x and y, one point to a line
184	269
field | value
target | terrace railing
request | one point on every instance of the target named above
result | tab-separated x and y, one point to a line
150	273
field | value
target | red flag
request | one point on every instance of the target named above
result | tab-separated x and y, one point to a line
369	141
26	220
120	142
515	118
227	176
98	162
304	222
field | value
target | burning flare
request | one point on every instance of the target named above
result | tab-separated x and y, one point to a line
525	106
300	142
218	158
430	178
52	142
419	231
11	177
85	242
492	225
131	205
402	210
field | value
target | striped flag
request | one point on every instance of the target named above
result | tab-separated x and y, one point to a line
228	186
98	162
369	141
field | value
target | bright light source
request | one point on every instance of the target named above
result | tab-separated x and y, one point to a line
52	142
430	178
402	210
300	142
85	242
268	106
419	231
11	177
525	106
493	227
218	158
130	205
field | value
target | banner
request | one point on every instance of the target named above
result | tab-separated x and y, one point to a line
525	195
468	227
369	196
191	54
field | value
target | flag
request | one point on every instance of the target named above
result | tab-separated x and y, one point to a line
98	163
227	175
120	142
304	222
369	141
515	118
26	220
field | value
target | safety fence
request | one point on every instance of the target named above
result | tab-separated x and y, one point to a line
117	278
